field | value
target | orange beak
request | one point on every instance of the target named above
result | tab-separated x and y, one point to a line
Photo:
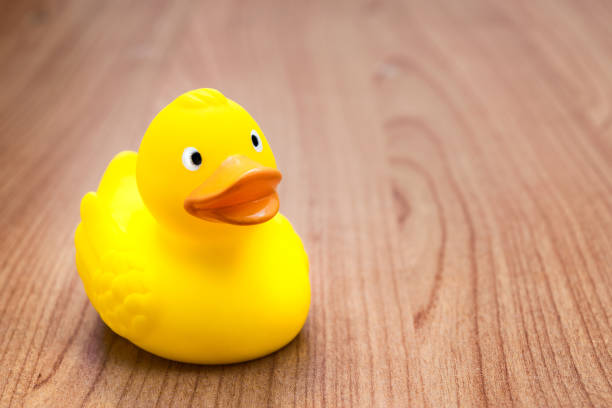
241	191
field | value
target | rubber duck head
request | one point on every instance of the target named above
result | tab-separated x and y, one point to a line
203	161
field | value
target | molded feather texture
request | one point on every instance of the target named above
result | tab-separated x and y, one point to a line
122	298
202	98
112	270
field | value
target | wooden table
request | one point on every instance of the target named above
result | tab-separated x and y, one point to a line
447	164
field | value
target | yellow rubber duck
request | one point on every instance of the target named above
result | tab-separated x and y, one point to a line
182	250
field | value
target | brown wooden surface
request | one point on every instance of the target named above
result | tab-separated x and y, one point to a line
448	165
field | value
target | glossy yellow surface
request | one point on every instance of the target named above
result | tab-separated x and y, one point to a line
176	285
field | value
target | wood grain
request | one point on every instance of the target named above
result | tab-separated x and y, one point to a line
448	165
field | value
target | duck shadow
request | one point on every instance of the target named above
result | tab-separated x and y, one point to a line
118	352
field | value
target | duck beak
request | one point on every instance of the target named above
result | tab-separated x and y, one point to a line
241	191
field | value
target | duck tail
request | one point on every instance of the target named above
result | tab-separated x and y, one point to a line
100	230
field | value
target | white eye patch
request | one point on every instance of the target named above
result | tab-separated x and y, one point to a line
192	159
256	140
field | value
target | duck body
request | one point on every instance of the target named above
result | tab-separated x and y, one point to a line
218	293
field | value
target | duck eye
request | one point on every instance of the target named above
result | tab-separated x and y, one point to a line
192	159
256	140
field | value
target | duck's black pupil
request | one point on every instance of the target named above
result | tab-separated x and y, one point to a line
255	140
196	158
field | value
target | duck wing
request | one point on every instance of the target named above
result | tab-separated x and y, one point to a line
110	265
